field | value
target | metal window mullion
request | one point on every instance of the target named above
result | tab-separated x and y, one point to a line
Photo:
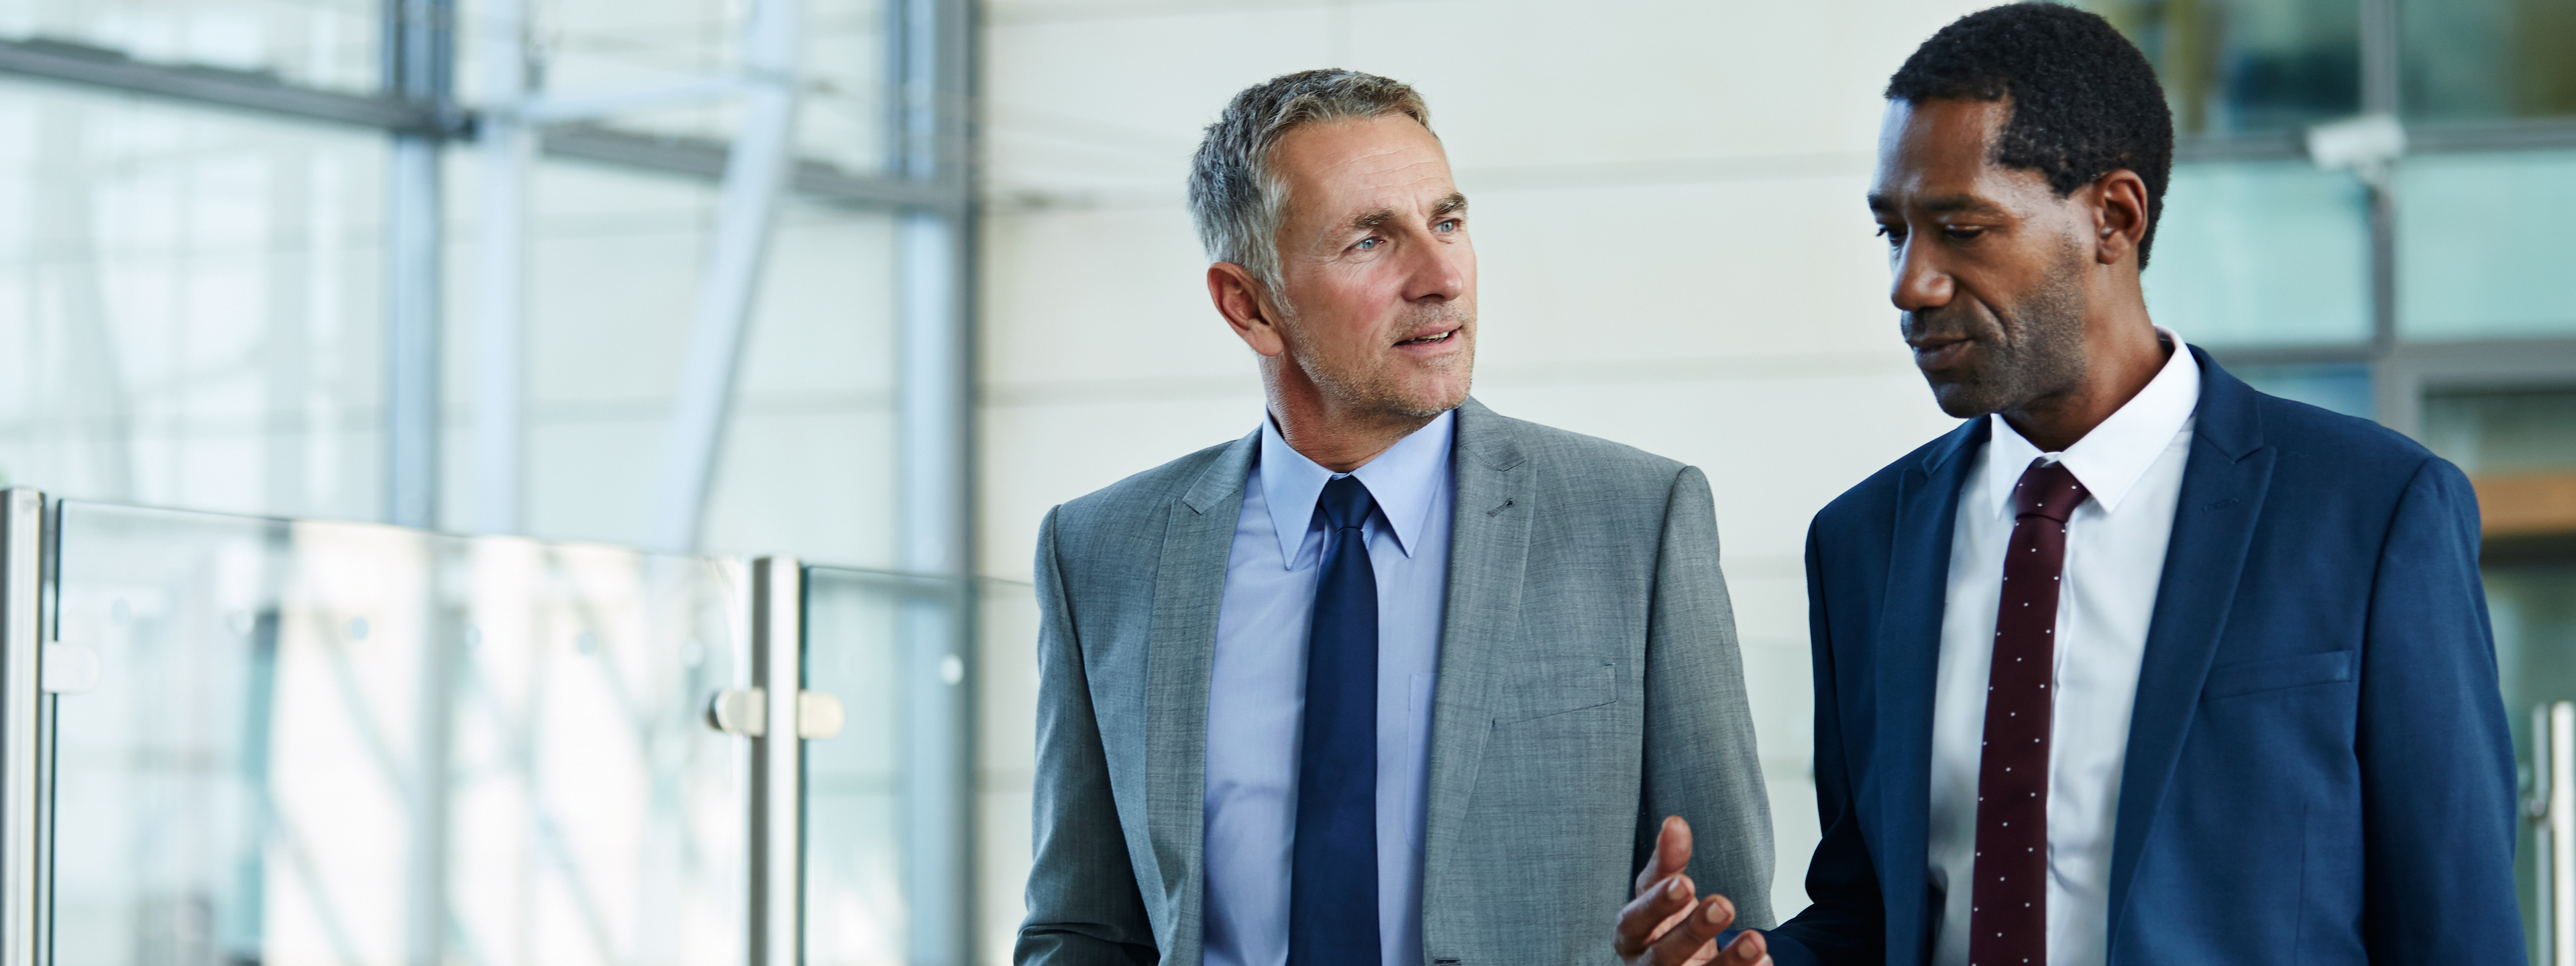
2379	95
931	145
777	769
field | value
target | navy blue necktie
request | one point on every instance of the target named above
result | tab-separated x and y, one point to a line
1332	889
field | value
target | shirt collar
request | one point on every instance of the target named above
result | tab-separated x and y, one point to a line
1403	480
2111	459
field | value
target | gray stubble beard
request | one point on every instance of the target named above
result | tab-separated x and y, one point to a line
1385	397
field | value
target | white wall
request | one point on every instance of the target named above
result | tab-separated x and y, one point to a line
1675	255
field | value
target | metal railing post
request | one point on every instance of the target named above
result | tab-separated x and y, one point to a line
22	626
777	762
2552	809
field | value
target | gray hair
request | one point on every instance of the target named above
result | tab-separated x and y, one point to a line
1237	201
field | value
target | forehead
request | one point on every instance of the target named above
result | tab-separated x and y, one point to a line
1940	147
1376	160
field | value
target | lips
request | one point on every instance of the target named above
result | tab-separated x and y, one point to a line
1433	336
1939	353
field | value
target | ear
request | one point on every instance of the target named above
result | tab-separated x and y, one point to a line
1238	297
2119	216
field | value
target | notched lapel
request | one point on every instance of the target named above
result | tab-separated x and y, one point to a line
2223	487
1488	556
1908	651
1189	593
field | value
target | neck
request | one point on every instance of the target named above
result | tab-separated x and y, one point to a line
1337	435
2122	353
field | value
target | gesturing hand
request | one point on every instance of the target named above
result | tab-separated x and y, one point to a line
1668	925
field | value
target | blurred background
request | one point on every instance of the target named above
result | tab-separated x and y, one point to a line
414	381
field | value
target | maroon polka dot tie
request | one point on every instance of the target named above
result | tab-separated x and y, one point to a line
2008	917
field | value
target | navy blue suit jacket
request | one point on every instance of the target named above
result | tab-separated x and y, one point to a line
2318	768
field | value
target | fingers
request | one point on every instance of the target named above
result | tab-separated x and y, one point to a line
1694	938
1672	854
1748	949
1651	913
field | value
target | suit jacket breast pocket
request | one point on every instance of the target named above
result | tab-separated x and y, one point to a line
2278	674
1544	688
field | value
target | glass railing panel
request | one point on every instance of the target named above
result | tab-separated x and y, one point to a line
343	743
857	853
1006	726
597	817
889	807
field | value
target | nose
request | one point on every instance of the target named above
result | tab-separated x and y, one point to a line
1439	271
1920	281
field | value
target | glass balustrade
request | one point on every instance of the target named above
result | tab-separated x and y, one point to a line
285	742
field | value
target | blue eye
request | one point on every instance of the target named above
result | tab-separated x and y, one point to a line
1449	225
1368	243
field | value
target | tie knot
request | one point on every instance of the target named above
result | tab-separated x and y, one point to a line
2047	490
1346	503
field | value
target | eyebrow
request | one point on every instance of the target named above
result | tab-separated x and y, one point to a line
1941	205
1374	217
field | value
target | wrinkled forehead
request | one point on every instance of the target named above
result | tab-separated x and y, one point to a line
1936	148
1388	161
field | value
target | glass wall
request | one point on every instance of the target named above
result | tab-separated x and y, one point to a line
2482	251
2265	253
2484	60
2232	66
616	258
192	304
320	43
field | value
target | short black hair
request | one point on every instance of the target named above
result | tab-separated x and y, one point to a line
2084	101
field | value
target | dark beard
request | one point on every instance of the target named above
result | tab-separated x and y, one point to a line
2034	348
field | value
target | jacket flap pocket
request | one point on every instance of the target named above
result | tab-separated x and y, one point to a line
2275	674
1543	688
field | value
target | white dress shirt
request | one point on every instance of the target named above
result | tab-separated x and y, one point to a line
1257	687
2132	466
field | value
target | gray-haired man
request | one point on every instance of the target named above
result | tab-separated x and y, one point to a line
1392	678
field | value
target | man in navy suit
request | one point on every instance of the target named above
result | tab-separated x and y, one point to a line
2138	665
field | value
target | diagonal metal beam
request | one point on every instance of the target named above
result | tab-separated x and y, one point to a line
255	91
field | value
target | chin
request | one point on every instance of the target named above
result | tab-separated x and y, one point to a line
1963	400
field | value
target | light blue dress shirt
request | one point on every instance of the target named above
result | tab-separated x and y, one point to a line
1257	687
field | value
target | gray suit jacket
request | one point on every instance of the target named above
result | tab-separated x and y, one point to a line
1589	686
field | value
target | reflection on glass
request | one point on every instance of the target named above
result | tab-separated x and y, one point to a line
339	743
2339	387
2472	60
322	43
2247	65
2481	245
193	306
2262	253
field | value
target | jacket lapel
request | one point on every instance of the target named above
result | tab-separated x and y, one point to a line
1908	654
1189	591
1488	552
2223	486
